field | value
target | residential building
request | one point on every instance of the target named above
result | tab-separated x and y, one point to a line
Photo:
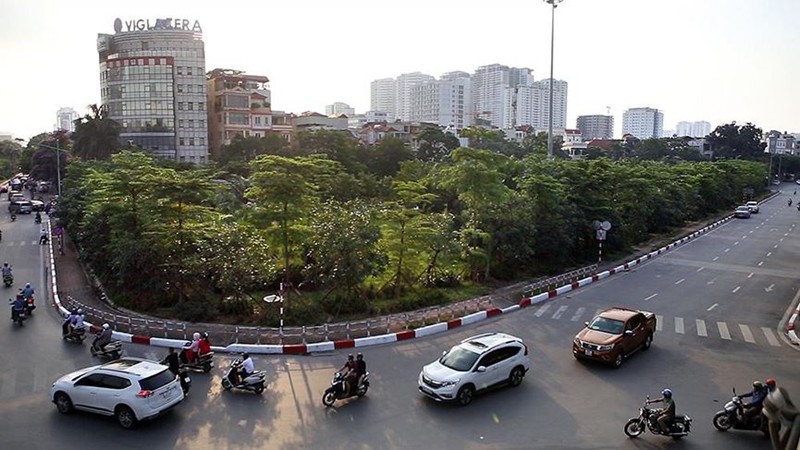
240	105
382	93
402	97
693	129
494	88
152	79
445	102
283	124
6	137
781	143
339	108
643	123
596	126
539	115
310	120
65	119
357	121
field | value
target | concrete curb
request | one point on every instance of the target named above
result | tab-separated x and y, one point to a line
441	327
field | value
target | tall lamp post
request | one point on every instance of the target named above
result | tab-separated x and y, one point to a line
554	3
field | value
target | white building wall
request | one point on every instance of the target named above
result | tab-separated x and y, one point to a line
382	93
65	119
644	123
402	98
541	104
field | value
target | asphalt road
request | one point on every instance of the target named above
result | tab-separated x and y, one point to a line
718	300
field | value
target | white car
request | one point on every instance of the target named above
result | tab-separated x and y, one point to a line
130	389
475	364
753	205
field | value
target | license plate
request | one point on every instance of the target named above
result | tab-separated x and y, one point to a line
588	352
426	390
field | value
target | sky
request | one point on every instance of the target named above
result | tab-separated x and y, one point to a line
713	60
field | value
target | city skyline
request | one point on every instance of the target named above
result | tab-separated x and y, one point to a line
54	44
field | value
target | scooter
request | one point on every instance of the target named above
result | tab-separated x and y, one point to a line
38	218
336	391
111	351
13	217
8	280
76	335
254	382
202	362
732	416
30	305
679	427
19	315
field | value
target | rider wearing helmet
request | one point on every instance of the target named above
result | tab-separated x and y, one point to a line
349	371
667	413
103	338
6	270
246	370
758	394
770	384
204	346
361	368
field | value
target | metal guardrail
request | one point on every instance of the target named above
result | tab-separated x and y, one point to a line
548	284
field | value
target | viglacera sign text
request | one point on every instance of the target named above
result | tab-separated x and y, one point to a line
169	23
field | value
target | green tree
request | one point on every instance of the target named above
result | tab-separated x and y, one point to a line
731	141
435	145
96	136
385	158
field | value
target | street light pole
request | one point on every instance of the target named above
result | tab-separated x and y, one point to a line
58	167
554	3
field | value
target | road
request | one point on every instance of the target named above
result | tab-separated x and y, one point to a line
718	300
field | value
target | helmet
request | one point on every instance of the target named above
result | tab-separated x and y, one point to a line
666	393
27	285
205	335
770	383
196	336
360	356
758	385
105	326
350	357
245	355
5	264
80	311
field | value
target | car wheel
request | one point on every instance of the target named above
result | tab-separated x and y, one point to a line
63	403
619	359
125	417
515	379
648	341
465	395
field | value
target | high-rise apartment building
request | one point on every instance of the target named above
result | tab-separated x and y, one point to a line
240	104
339	108
540	113
65	119
382	94
402	97
596	127
644	123
153	80
693	129
445	102
490	99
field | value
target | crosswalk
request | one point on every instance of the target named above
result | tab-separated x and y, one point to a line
710	329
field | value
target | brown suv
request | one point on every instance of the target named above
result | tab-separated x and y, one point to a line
614	334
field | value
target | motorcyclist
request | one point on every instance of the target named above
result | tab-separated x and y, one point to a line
770	384
74	321
103	338
361	368
6	269
758	394
204	346
43	237
38	217
667	413
27	291
17	306
172	361
247	369
349	371
190	353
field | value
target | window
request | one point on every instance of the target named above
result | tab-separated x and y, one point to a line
180	106
191	106
188	70
201	141
114	382
93	380
634	323
191	142
180	123
180	70
191	123
181	142
180	88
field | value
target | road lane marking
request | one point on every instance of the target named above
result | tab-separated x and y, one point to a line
560	311
715	258
769	288
760	263
776	245
712	307
659	322
737	289
771	336
578	314
736	243
726	250
748	335
773	341
769	254
679	325
542	310
648	298
701	327
723	330
751	275
680	281
701	268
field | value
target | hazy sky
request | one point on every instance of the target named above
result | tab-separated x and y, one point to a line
713	60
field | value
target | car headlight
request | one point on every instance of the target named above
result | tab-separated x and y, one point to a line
605	348
576	341
450	383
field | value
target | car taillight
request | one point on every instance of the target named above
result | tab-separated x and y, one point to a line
144	393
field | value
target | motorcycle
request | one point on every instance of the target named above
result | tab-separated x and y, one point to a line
647	420
13	217
732	416
254	382
336	391
30	305
8	280
19	315
76	335
111	351
202	362
38	219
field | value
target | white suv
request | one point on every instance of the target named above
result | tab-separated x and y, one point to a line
130	389
475	364
753	207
